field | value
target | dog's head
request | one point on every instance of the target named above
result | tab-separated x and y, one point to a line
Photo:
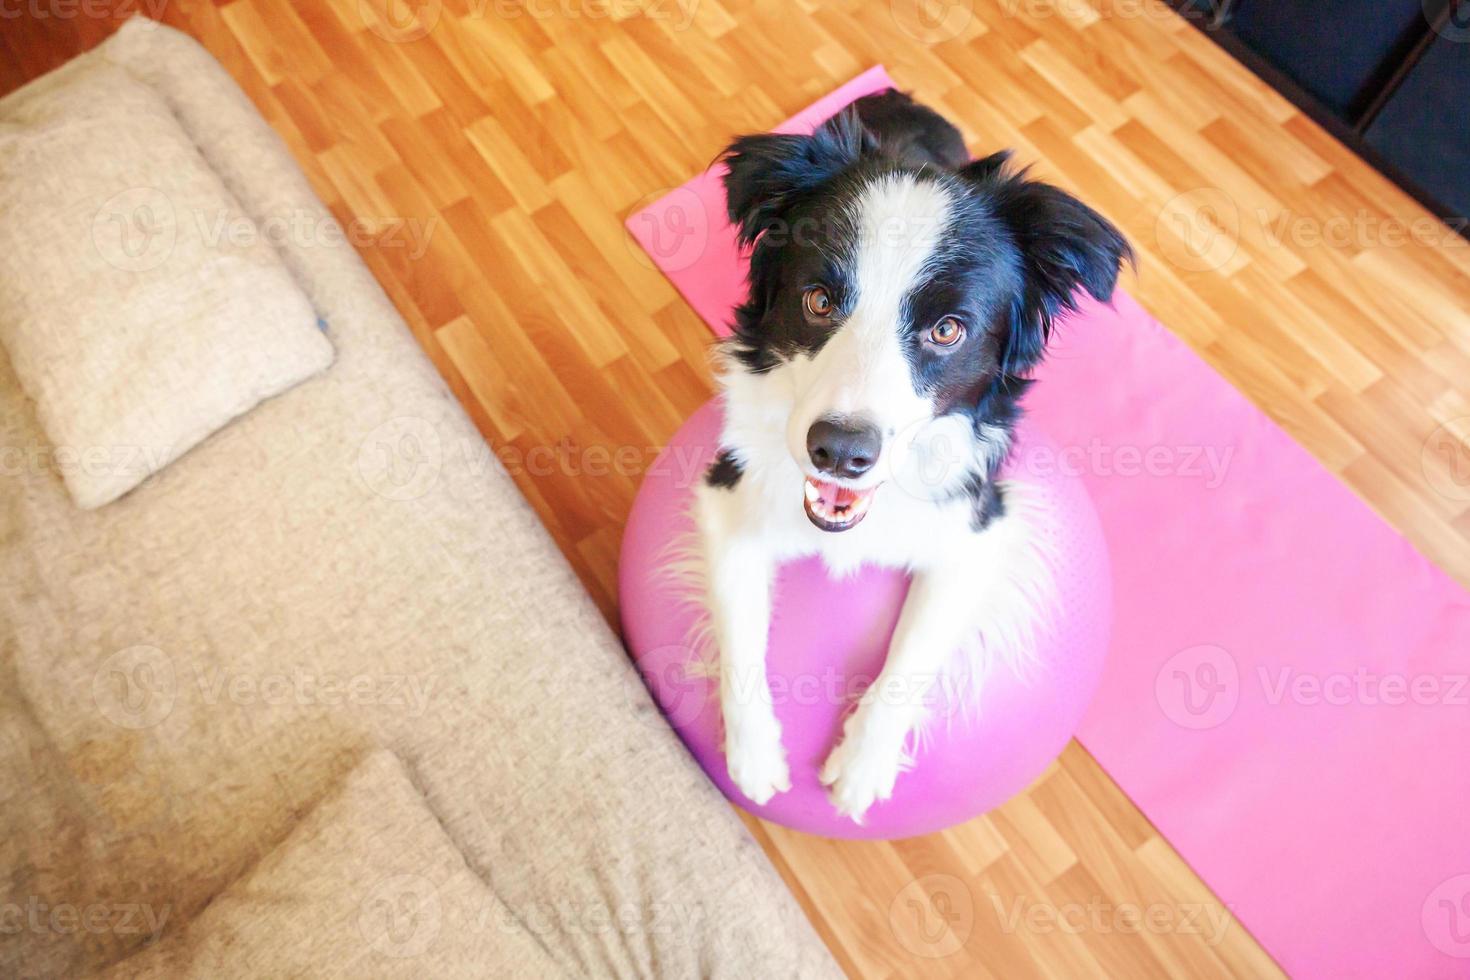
903	308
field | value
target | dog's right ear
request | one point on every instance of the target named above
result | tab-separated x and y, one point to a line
1066	249
768	172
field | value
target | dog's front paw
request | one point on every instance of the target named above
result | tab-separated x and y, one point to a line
864	766
756	761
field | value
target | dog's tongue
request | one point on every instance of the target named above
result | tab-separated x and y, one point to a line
833	495
835	508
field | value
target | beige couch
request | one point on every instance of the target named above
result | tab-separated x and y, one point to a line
322	697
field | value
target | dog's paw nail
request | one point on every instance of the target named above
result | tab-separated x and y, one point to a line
851	806
760	797
759	773
857	777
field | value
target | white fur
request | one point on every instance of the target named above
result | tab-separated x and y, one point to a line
898	222
975	597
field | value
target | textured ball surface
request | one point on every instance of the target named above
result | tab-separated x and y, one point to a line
971	760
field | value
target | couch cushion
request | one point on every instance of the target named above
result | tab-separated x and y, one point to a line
141	307
366	885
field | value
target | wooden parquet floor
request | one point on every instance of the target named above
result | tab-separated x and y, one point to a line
483	154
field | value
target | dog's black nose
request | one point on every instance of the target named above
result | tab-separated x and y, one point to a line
843	447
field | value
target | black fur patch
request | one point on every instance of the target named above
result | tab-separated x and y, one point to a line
725	471
987	503
912	134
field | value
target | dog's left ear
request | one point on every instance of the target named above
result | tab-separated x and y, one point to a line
1066	247
768	172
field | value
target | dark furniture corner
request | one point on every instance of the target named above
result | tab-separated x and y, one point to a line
1390	78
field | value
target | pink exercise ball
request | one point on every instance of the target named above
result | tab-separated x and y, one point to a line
968	763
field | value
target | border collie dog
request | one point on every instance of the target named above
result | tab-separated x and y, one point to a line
899	297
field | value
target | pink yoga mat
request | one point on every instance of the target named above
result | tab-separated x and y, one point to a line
1286	697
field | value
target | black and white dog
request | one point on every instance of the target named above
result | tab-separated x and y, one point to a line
899	296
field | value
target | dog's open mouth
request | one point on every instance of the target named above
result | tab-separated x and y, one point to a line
836	508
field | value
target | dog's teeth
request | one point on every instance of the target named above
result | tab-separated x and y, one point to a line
837	516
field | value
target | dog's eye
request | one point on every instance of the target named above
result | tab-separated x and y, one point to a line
817	302
947	332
